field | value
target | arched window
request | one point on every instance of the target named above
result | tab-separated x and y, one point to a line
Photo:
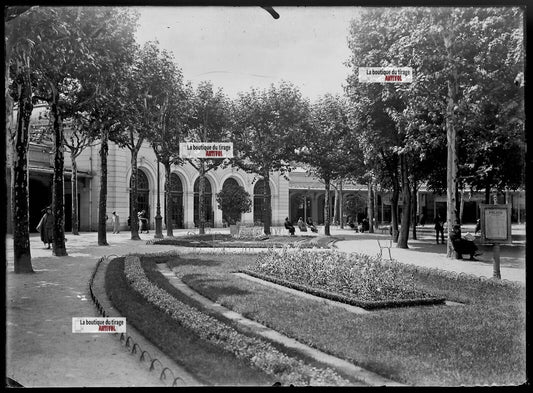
230	182
176	201
143	194
259	200
208	196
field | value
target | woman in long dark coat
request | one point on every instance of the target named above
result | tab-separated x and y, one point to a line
46	227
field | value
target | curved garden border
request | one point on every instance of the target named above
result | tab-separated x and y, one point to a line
127	339
257	351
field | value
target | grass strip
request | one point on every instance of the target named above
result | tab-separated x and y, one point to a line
479	343
149	264
256	351
210	364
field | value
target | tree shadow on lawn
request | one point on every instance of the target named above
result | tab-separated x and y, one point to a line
189	260
512	255
213	286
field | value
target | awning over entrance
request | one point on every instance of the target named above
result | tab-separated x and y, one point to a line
66	172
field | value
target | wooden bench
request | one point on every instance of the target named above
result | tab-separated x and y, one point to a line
384	244
384	228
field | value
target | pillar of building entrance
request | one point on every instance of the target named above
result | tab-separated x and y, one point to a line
188	202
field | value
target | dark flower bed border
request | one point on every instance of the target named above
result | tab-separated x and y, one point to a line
366	304
240	243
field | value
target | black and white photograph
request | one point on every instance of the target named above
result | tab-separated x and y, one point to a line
254	195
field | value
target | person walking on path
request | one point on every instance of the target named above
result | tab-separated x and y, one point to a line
46	227
115	220
439	228
143	221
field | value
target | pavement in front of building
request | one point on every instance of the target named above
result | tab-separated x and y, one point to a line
42	351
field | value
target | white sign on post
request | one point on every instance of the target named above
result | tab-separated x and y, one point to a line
385	74
496	223
206	150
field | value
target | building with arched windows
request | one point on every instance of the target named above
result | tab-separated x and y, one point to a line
295	195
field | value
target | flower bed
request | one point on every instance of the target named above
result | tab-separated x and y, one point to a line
259	353
356	279
228	241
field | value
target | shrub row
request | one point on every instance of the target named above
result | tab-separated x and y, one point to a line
257	352
357	276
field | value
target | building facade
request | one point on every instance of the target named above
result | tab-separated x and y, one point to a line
295	195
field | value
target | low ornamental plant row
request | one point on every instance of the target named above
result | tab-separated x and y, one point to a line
367	305
257	242
259	353
355	276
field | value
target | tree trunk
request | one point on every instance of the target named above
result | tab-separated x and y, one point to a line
267	209
74	186
327	212
406	210
58	197
335	207
370	207
487	191
134	218
168	200
376	215
201	201
451	165
394	208
414	209
461	205
19	177
102	201
341	205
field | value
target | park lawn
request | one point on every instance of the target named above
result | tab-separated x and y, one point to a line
480	342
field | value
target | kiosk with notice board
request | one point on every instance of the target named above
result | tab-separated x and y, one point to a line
496	230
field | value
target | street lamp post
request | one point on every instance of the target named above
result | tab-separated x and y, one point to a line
158	218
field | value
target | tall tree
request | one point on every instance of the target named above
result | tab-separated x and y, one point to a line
170	127
370	37
209	121
20	36
328	148
480	114
64	56
76	140
115	57
173	131
267	128
141	111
